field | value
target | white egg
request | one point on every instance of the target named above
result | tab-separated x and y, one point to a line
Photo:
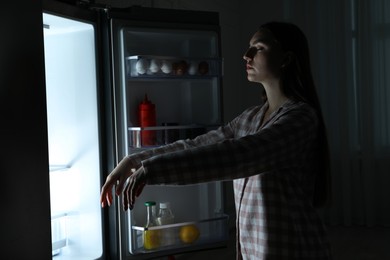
142	66
193	69
166	66
155	65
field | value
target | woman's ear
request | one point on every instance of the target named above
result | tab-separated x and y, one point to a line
288	59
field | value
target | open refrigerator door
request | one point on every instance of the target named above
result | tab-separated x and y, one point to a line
74	152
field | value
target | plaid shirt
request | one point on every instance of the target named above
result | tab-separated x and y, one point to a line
273	166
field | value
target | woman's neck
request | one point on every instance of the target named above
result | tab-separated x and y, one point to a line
275	97
275	102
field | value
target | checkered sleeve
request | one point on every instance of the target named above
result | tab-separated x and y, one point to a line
273	147
210	137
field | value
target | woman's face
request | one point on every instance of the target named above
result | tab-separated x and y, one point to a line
264	58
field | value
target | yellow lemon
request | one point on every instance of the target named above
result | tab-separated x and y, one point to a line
189	234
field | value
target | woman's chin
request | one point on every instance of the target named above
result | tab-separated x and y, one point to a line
252	79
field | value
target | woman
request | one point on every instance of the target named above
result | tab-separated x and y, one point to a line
276	154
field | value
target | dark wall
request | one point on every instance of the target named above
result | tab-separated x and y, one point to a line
24	178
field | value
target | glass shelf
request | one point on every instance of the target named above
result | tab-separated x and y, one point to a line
161	135
166	127
212	230
58	167
162	67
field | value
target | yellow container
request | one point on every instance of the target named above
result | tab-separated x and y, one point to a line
151	239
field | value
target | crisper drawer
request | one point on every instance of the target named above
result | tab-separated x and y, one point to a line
179	237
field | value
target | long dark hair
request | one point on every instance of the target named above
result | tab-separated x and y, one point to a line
298	84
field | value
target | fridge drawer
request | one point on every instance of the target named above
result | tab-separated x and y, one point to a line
180	236
144	67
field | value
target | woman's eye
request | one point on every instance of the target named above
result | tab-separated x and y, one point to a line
256	49
253	50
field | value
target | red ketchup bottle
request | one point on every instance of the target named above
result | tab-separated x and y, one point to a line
147	117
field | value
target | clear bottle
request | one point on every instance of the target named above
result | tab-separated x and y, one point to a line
165	217
151	237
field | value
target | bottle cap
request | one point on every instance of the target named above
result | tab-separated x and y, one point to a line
164	205
146	101
150	203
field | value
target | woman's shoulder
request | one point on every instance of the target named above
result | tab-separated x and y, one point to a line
299	109
299	105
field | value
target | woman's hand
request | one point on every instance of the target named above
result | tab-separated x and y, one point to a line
134	188
117	177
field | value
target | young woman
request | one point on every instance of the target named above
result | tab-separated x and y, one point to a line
276	154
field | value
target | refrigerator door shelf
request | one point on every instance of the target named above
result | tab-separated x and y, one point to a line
166	134
59	167
58	232
213	230
157	67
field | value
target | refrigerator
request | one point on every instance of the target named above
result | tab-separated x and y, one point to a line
100	65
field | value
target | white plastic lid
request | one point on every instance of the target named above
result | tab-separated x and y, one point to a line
164	205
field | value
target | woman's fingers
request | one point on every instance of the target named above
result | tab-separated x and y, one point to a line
106	193
119	186
136	185
126	197
128	194
130	189
108	200
122	182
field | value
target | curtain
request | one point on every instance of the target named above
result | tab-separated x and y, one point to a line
350	52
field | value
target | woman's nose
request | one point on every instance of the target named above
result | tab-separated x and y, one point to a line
248	55
245	57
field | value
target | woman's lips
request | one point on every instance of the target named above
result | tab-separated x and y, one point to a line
248	67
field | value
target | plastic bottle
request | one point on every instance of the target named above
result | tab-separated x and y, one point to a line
151	237
147	117
165	217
